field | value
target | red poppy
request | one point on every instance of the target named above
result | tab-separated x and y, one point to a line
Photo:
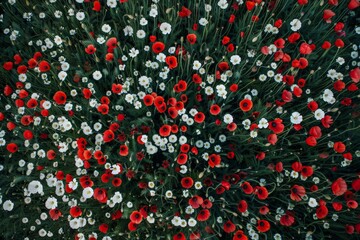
196	201
44	66
136	217
247	188
242	206
322	212
195	236
264	210
199	117
286	96
339	187
239	235
132	226
328	14
229	227
214	160
28	134
60	97
272	139
96	6
179	236
203	215
187	182
100	195
276	126
315	132
148	100
355	74
12	147
245	105
171	61
103	228
185	12
263	225
182	158
191	38
8	66
307	171
327	121
124	150
165	130
158	47
223	66
287	220
75	211
103	109
261	192
297	192
55	214
90	49
339	147
353	4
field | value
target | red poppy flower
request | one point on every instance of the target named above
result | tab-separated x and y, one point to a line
171	61
179	236
44	66
247	188
276	126
223	66
75	211
103	109
116	215
165	130
264	210
339	147
111	43
28	134
100	195
158	47
185	12
195	236
339	187
214	160
116	182
353	4
245	105
132	226
297	192
272	139
124	150
355	75
207	204
315	132
196	201
196	78
287	220
136	217
191	38
229	227
263	225
55	214
96	6
8	66
328	14
60	97
199	117
103	228
182	158
327	121
12	147
250	5
322	212
187	182
239	235
90	49
307	171
261	192
203	215
242	206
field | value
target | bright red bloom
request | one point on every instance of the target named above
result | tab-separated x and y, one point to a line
242	206
103	228
158	47
171	61
339	147
229	227
247	188
185	12
263	226
182	158
96	6
90	49
239	235
199	117
355	74
191	38
124	150
103	109
261	192
276	126
75	211
203	215
327	121
136	217
327	15
353	4
245	105
165	130
44	66
322	211
55	214
287	220
297	192
272	138
60	97
339	187
179	236
196	201
100	195
187	182
12	147
214	160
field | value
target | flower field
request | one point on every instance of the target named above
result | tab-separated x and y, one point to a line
179	120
